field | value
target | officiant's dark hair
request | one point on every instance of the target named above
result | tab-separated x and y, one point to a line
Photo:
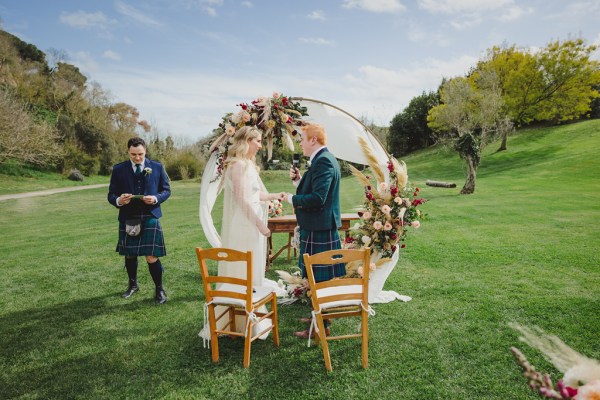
135	142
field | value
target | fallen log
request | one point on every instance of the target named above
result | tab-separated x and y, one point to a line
440	184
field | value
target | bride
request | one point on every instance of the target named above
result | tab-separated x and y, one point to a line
245	217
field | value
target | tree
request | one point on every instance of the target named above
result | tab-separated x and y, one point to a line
409	130
555	84
470	113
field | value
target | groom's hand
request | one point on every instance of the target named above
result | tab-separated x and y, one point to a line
294	174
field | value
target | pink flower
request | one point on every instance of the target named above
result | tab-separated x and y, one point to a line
360	271
276	95
372	266
415	224
377	225
366	215
386	209
245	116
398	200
387	226
382	186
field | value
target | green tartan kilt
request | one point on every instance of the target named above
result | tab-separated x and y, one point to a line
150	242
317	242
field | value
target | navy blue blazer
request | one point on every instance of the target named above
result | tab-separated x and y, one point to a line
317	199
155	184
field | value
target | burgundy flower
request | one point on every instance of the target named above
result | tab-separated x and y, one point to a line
393	236
369	196
394	247
402	246
416	189
394	191
284	101
390	166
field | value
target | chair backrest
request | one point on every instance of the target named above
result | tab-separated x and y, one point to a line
213	284
339	291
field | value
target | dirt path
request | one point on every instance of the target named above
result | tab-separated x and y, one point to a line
49	191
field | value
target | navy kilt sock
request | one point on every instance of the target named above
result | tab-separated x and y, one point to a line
156	271
131	265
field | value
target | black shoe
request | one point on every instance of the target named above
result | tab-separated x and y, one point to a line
130	291
161	296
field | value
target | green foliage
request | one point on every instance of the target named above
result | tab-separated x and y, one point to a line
409	130
79	159
184	165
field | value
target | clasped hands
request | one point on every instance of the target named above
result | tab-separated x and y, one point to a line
126	198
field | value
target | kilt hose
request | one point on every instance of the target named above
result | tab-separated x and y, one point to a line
313	242
150	241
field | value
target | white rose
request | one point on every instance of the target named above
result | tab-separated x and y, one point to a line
366	240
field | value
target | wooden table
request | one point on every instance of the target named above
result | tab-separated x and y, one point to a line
286	224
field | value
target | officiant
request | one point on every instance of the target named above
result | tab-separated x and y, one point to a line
137	188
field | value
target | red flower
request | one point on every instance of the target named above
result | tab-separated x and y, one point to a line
416	189
393	236
394	191
284	101
402	246
390	166
415	194
394	247
369	196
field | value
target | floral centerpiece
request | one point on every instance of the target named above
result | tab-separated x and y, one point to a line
389	210
581	380
275	208
277	116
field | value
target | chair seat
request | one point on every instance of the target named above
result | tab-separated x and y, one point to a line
258	294
337	290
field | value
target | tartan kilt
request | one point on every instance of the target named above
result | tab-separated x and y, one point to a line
313	242
150	241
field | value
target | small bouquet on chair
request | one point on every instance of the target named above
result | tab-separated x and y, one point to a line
296	287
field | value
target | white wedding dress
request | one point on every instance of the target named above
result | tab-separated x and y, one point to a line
243	214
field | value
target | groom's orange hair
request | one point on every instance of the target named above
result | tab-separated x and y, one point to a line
317	131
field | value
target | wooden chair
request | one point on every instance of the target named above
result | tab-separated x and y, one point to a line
339	298
239	297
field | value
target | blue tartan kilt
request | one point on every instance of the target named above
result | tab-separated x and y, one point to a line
317	242
150	242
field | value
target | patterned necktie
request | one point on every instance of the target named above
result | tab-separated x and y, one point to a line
138	169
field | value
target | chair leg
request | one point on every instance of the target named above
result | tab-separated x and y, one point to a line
232	326
323	339
247	344
214	339
275	321
365	339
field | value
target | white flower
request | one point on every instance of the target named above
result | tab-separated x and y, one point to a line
589	391
401	213
229	129
382	187
221	149
262	101
356	226
147	171
276	95
366	240
398	200
415	224
237	117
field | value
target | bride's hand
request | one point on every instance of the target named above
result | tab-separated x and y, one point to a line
281	196
265	231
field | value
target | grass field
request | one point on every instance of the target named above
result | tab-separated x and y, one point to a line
523	248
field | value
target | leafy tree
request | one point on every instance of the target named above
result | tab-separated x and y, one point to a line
555	84
409	130
470	113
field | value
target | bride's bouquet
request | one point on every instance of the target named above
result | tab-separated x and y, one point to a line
275	208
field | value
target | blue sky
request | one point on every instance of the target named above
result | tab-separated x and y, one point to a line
184	63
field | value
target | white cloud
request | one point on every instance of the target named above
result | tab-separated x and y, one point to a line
136	14
85	62
317	41
466	21
317	15
247	4
209	6
111	55
514	13
375	5
458	6
82	20
418	34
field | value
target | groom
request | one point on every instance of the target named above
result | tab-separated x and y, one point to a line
317	205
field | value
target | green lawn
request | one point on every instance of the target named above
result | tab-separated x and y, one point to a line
523	248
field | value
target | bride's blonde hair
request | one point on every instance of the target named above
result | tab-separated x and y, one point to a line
239	148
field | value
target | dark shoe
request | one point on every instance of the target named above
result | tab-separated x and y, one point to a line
130	291
305	333
161	296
